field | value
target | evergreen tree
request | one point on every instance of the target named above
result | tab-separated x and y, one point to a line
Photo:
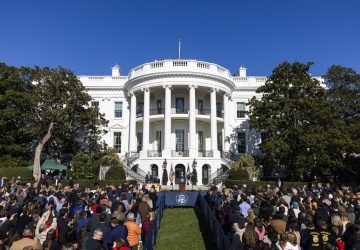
165	177
295	114
15	93
194	177
344	93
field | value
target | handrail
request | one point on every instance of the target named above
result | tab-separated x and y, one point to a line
151	240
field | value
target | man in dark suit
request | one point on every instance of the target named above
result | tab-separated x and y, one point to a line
148	178
94	220
62	225
105	229
118	231
94	242
157	180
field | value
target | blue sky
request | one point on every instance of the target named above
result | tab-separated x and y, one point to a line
89	37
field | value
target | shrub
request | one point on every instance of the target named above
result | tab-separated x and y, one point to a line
14	172
165	176
194	178
239	174
115	173
81	167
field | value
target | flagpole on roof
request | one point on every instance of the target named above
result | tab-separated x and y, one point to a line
179	47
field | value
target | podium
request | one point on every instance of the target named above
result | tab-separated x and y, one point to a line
182	183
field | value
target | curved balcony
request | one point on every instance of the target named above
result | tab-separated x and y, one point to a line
180	111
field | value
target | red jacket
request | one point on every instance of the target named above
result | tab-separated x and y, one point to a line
145	229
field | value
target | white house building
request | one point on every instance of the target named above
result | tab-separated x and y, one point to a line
177	113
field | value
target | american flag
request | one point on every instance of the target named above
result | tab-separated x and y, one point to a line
171	174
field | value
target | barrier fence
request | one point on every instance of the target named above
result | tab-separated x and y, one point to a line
221	241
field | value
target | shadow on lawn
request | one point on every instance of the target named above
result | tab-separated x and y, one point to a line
205	231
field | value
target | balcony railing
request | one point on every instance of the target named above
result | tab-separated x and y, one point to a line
175	153
180	110
203	111
154	153
157	111
205	153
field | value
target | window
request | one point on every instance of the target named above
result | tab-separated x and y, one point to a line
240	109
179	140
201	140
200	107
139	141
241	144
219	109
118	109
117	142
95	104
219	141
179	105
158	107
158	140
140	109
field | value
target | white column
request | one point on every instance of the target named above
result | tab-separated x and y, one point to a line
213	119
146	115
226	123
132	132
167	122
192	123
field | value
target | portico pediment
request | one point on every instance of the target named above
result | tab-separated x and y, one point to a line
116	126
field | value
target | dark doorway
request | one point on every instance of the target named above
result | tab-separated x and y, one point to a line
205	174
154	171
178	169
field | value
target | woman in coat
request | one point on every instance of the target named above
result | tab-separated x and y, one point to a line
133	231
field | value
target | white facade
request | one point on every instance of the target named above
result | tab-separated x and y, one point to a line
178	110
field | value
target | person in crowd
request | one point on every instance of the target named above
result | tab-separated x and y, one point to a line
145	228
94	243
105	228
119	244
287	241
133	231
27	240
144	208
250	237
41	228
244	206
118	231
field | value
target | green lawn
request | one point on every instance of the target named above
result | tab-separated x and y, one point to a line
184	228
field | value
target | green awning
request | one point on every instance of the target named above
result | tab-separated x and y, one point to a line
50	165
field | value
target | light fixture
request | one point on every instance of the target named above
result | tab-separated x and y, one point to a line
164	164
194	163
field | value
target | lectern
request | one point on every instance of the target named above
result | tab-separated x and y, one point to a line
182	183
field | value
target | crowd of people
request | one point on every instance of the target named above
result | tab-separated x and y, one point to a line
284	217
51	216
